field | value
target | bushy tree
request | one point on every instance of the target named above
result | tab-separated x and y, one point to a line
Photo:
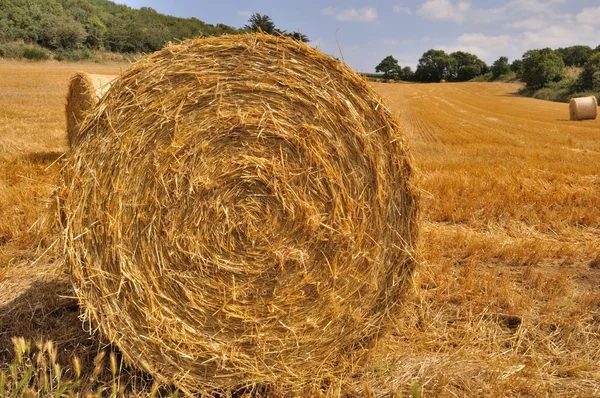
541	67
434	65
263	23
96	32
297	36
465	66
517	67
590	69
61	33
596	81
500	67
407	74
258	22
575	55
390	68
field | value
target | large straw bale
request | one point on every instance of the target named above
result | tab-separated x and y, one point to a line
583	108
85	90
240	212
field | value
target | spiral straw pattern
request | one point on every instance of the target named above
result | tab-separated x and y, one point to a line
240	212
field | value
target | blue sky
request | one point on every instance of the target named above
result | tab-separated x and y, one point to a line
367	31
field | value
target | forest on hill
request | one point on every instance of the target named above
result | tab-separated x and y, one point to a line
71	29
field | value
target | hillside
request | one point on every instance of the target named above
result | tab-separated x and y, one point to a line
74	27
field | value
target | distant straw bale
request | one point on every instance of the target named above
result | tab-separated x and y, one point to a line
244	216
85	90
583	108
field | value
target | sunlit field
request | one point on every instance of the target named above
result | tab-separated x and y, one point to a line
506	299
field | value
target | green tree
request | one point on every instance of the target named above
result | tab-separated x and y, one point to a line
61	32
596	81
590	69
258	22
434	65
575	55
390	68
96	31
500	67
466	67
517	67
296	36
263	23
407	74
541	67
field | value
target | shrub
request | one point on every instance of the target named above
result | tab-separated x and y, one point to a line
79	54
19	50
35	53
12	50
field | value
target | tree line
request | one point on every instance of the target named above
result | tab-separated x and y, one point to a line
434	66
537	68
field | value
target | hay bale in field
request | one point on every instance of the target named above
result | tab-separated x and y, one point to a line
240	212
583	108
85	90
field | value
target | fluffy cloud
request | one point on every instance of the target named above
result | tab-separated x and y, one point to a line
328	11
589	16
398	9
560	36
365	14
528	24
482	45
534	6
444	10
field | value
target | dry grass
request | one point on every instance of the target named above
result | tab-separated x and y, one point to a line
506	302
85	90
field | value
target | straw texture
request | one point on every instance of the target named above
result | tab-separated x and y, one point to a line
240	212
85	90
583	108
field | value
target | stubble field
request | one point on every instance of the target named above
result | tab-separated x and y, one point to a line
506	301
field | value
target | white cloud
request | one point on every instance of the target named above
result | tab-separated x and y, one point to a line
534	6
328	11
365	14
444	10
482	45
398	9
560	36
485	15
528	24
589	16
244	13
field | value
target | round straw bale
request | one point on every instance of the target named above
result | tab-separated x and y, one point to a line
583	108
85	90
239	212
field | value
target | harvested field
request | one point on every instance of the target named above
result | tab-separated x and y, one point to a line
506	302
